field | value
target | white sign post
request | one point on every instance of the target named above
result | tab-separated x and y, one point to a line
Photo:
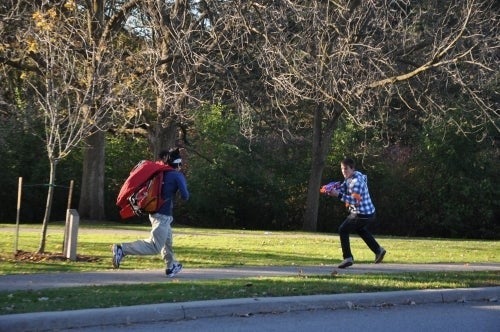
71	234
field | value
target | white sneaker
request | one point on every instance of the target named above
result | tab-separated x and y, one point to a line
117	255
176	268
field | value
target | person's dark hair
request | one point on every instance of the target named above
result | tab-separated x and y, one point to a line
163	154
348	162
174	158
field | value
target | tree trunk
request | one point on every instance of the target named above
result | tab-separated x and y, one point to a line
320	148
91	205
161	137
48	205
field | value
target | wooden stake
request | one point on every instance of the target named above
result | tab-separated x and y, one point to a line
19	194
70	194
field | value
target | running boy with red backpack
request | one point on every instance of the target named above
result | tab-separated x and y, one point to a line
160	240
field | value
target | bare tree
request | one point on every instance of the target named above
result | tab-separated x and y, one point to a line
323	60
103	26
94	34
182	54
75	100
70	75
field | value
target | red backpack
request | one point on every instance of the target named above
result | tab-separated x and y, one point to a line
141	192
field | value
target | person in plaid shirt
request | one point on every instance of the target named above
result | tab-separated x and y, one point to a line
354	193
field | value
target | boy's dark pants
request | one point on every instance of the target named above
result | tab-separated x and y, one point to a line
357	223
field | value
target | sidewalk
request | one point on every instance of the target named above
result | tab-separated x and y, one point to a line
240	307
128	276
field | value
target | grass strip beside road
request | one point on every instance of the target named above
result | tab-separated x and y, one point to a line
185	291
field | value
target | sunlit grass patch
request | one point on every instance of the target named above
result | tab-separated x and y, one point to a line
185	291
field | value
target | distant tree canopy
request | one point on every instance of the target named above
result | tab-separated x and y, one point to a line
265	98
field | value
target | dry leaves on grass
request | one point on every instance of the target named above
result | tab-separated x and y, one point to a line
25	256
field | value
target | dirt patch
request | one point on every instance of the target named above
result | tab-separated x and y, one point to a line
25	256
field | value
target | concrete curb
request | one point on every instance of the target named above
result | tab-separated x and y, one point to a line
44	321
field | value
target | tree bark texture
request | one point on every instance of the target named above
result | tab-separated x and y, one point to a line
322	137
91	204
48	206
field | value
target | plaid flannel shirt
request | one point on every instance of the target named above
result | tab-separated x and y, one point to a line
355	194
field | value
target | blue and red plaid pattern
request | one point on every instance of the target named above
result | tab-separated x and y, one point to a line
355	194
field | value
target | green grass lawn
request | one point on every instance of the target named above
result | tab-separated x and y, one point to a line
222	248
217	248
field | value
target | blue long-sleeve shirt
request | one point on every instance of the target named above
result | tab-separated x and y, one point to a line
173	181
355	194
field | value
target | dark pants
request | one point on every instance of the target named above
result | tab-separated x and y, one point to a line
359	224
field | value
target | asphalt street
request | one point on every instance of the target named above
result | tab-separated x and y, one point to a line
443	317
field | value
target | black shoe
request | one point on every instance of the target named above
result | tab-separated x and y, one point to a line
346	263
380	256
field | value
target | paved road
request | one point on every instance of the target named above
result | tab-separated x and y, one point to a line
444	317
248	307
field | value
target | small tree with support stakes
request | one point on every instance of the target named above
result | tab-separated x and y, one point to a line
19	200
66	105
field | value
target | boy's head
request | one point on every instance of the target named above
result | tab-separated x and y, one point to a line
171	157
347	166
